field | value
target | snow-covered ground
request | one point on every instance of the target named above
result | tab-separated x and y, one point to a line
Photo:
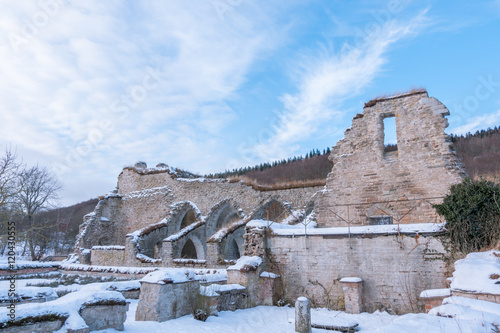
266	319
478	272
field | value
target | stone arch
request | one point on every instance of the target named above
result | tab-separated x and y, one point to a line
104	240
222	214
192	249
150	238
233	248
272	210
183	214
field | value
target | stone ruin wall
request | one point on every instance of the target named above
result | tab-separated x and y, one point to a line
374	183
145	199
152	205
394	269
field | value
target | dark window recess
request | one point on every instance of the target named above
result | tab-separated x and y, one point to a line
380	220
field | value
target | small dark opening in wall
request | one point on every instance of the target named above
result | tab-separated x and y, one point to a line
189	218
390	135
380	220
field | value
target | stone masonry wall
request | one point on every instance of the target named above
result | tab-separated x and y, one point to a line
146	198
365	177
108	257
394	270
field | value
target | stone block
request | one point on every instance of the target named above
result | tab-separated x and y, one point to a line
161	302
99	317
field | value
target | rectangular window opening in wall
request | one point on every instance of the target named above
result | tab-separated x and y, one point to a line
390	136
380	220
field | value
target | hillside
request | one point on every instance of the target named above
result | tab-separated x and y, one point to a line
300	171
480	152
62	226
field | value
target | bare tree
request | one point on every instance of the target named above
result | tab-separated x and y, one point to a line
38	189
9	188
9	172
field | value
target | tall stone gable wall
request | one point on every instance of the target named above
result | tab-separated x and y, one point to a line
424	166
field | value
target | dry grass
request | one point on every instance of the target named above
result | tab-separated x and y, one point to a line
492	177
286	185
385	97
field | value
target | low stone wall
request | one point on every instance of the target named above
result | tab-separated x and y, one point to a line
394	269
480	296
79	312
27	271
44	326
107	255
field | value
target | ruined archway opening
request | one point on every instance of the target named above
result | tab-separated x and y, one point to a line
275	211
189	250
188	218
233	251
103	241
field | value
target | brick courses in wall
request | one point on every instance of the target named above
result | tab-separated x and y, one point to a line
145	197
394	269
365	183
373	183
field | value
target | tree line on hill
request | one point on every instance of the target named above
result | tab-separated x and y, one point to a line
313	166
480	152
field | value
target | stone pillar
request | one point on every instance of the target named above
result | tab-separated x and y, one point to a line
130	254
302	315
248	279
167	254
255	242
353	294
433	298
213	256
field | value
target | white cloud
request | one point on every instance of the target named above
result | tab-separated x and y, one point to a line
60	82
328	79
478	123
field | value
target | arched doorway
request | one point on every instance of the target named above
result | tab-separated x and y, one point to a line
192	249
233	251
189	250
273	211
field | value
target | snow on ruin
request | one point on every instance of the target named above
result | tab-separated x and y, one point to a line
479	272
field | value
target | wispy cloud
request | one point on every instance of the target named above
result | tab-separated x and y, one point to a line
477	123
65	79
328	78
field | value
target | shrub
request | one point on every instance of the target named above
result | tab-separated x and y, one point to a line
472	214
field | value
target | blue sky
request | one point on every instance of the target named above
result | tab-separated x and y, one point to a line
88	87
